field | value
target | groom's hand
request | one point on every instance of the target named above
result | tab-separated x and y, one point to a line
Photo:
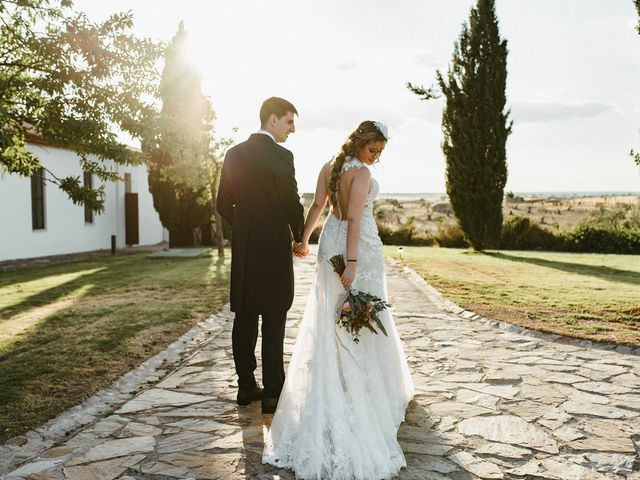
300	249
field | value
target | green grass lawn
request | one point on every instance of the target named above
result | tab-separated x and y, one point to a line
588	296
69	330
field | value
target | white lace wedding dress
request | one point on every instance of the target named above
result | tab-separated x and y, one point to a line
342	402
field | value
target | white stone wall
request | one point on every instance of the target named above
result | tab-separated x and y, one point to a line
65	229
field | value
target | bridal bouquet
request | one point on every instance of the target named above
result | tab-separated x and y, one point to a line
357	310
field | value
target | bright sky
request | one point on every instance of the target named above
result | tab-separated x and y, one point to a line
573	80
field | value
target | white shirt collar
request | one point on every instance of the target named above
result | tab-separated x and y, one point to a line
269	134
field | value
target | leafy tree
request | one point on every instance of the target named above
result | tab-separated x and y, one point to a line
476	126
184	156
71	82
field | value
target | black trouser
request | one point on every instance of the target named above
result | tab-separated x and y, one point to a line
244	338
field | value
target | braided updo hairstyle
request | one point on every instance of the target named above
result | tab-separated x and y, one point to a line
365	133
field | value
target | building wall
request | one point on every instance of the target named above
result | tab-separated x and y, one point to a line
65	229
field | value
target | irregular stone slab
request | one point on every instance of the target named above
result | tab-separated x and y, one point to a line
459	410
605	411
179	377
554	418
630	401
477	466
421	464
104	470
196	465
508	429
525	409
560	377
538	360
502	391
609	369
612	444
605	462
463	377
477	398
116	448
56	452
136	429
581	396
556	470
602	387
168	470
544	393
107	426
568	434
206	409
157	397
503	450
437	449
447	423
182	441
36	467
428	435
502	376
204	425
627	380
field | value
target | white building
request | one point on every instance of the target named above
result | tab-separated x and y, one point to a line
38	219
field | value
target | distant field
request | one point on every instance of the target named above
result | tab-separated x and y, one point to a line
587	296
554	214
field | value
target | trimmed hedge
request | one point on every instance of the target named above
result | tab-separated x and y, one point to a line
590	239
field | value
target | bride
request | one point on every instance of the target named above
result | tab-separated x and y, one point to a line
342	401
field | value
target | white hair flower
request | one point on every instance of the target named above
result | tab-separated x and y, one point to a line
382	128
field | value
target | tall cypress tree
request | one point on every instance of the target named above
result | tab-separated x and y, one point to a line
180	167
476	126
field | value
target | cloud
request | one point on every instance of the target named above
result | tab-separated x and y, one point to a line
346	66
427	59
345	119
529	112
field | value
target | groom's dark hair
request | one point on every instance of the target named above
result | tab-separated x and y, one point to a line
276	105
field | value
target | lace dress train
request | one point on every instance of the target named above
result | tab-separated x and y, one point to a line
342	402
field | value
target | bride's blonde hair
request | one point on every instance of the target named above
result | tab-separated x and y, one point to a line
365	133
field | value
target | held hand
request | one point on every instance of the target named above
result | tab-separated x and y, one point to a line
300	249
348	275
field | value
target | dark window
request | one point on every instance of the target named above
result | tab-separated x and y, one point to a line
88	182
37	200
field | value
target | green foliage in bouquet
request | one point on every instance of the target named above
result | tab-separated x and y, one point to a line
357	310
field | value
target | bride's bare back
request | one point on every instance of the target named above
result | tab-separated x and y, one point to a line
342	203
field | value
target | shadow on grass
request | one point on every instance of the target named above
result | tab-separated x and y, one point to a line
603	273
50	295
69	355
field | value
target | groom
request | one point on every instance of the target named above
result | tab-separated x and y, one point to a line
258	196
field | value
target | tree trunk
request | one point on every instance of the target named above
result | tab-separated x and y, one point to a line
206	234
219	235
181	237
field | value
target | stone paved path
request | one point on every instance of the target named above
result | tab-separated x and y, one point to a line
490	403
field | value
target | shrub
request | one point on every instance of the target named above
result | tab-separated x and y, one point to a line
586	238
451	236
404	234
520	233
620	216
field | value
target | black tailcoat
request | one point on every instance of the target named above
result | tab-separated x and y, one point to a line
258	196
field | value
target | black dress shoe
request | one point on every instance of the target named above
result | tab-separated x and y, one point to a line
269	404
245	397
